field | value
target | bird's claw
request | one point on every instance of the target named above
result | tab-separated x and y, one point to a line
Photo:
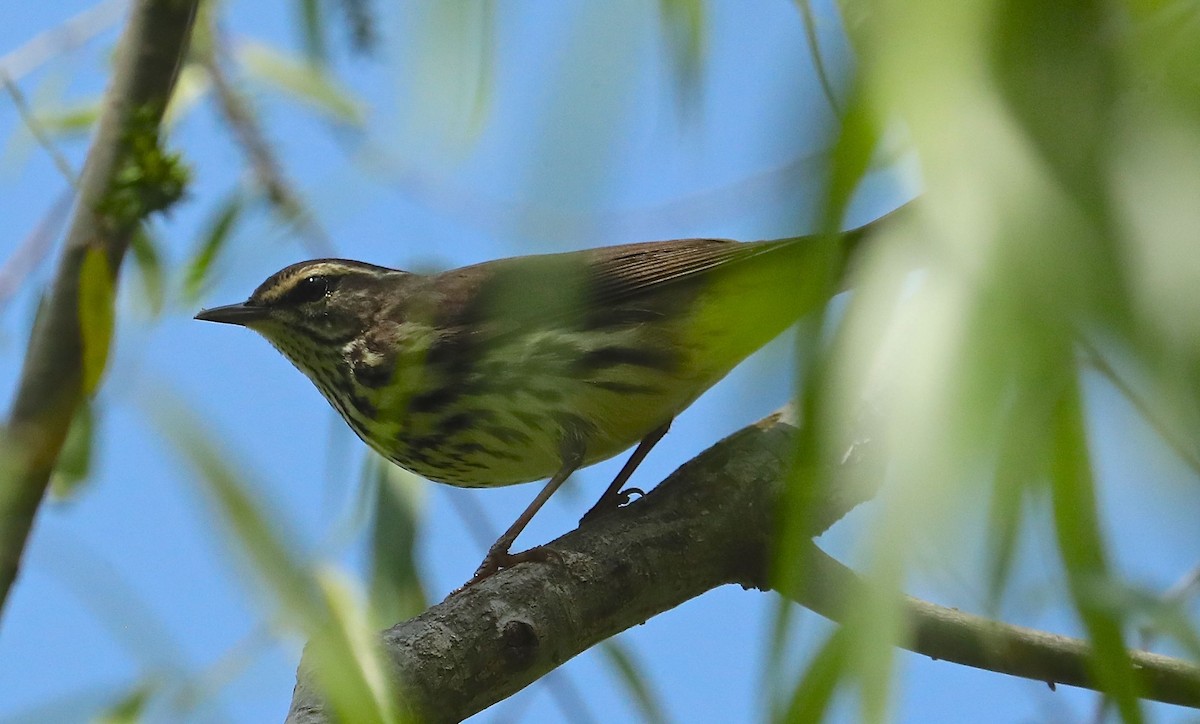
498	560
606	505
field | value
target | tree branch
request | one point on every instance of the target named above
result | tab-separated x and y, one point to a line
51	386
711	523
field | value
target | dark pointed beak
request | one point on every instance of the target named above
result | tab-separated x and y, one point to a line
240	314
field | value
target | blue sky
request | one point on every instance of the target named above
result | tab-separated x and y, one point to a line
132	576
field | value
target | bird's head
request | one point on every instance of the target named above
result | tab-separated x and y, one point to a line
311	310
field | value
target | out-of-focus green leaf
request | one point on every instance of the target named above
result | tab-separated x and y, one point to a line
97	298
348	657
341	650
814	692
306	83
75	458
1164	616
1021	460
1081	545
312	30
851	159
396	590
684	25
149	268
213	237
630	673
73	120
190	89
1056	64
130	708
362	21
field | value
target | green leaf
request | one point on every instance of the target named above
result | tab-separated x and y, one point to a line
74	120
346	654
304	82
190	89
75	458
814	692
147	178
1082	547
313	31
131	707
213	238
684	25
629	671
149	268
341	654
851	158
396	591
97	298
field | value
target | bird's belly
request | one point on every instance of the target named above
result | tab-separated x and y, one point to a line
510	419
517	436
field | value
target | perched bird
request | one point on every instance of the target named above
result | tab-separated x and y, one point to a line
530	367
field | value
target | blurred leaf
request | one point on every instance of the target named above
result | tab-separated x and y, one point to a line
1165	615
856	144
190	89
306	83
630	673
814	692
361	683
149	267
341	652
1057	67
684	26
130	709
1082	547
361	20
73	120
312	30
97	297
213	238
75	458
1021	460
396	590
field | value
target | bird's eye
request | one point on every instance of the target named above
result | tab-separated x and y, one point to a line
309	289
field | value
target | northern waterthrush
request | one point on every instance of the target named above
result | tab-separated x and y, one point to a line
531	367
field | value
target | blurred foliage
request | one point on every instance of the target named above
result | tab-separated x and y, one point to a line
212	241
316	599
307	83
148	180
75	461
97	297
149	265
1058	147
633	676
396	592
1021	114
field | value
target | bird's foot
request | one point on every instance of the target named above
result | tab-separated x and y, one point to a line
498	558
608	504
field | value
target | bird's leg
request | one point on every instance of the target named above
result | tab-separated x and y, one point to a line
498	556
614	497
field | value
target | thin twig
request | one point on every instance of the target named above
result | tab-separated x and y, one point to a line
1173	440
34	248
35	129
236	109
69	35
814	49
